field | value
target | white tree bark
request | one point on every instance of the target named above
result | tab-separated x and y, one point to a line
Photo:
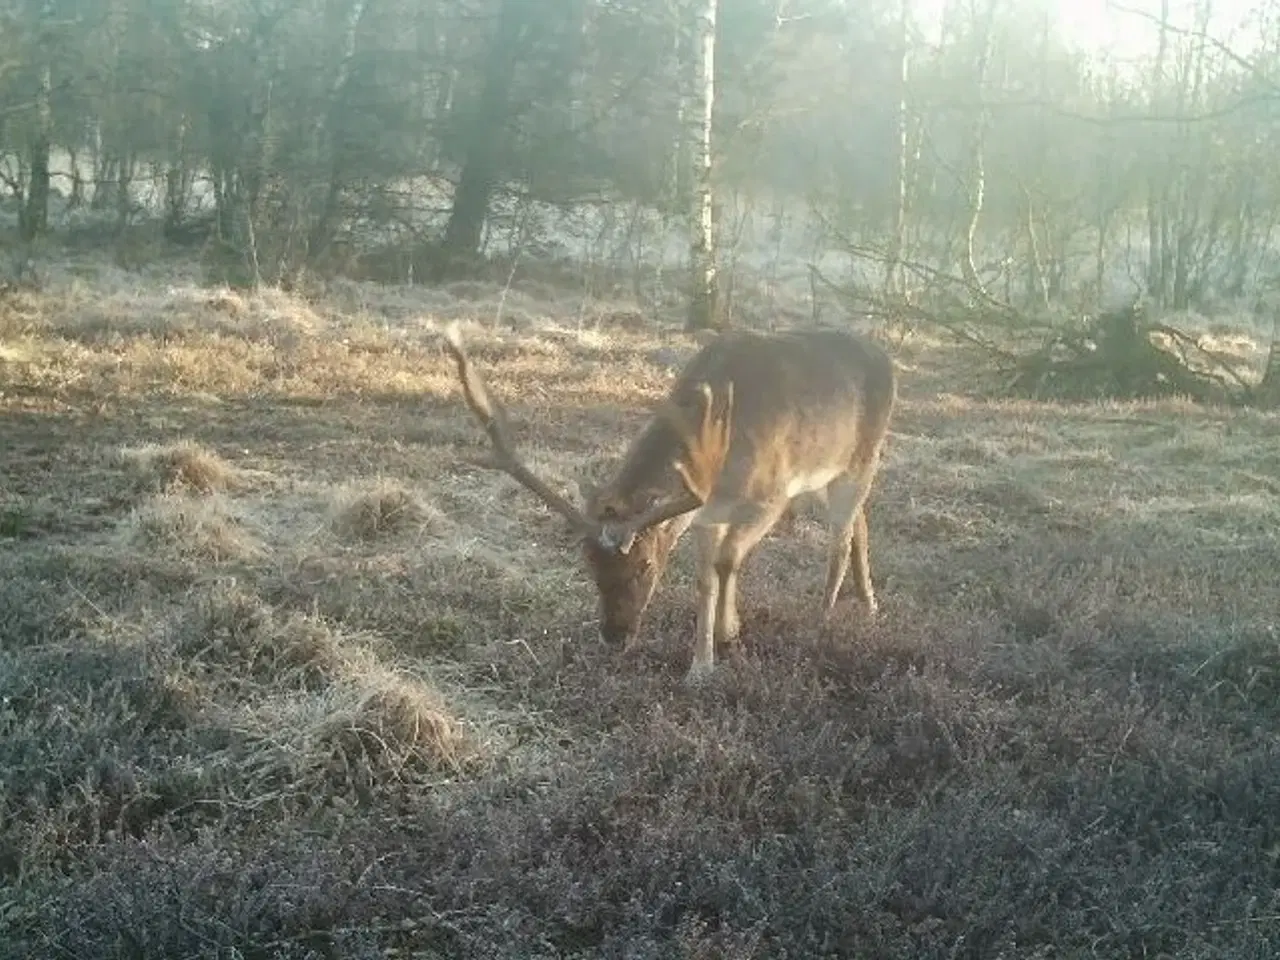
703	302
978	144
897	238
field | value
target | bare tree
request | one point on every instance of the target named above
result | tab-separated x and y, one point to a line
704	298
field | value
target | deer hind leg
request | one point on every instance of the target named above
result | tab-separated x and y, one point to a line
862	562
848	525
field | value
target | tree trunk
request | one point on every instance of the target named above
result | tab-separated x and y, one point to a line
332	138
1037	282
977	154
1268	390
124	195
897	238
35	212
76	199
685	72
704	295
104	174
1104	205
1042	264
176	184
1157	190
486	136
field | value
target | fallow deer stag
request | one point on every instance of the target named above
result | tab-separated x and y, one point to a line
753	421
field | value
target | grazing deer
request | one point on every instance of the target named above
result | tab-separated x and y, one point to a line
752	421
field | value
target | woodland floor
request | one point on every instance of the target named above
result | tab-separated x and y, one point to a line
280	677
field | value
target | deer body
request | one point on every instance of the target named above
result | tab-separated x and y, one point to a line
752	422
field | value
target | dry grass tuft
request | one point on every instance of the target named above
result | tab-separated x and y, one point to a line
228	626
387	721
227	301
371	729
191	529
382	509
186	466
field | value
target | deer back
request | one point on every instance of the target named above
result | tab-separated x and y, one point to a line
807	405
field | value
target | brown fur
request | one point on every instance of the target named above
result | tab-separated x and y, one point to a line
752	421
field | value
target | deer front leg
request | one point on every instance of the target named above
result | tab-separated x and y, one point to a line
734	547
708	581
736	544
728	626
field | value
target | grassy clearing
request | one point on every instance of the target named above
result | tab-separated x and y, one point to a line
281	675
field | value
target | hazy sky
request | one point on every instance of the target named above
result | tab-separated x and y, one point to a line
1103	27
1108	25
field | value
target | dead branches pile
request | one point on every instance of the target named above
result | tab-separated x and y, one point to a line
1119	355
1123	355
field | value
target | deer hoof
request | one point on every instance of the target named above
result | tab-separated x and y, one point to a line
700	671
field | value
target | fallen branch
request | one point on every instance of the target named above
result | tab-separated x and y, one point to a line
1118	357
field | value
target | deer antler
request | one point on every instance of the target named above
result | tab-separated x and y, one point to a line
705	451
493	419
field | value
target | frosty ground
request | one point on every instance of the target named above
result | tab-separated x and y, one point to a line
281	675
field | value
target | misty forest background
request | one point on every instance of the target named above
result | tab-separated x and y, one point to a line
959	164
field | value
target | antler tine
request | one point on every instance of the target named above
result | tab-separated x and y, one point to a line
493	419
490	413
707	450
705	453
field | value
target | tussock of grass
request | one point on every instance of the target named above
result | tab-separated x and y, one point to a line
230	627
391	720
185	466
372	729
227	301
90	731
383	508
344	705
191	529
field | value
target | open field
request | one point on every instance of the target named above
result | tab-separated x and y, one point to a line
281	677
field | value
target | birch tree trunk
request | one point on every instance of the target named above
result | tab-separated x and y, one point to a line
1157	187
897	239
703	301
978	146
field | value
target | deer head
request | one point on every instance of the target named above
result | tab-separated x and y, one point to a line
625	542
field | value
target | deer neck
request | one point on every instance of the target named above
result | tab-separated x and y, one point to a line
645	475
